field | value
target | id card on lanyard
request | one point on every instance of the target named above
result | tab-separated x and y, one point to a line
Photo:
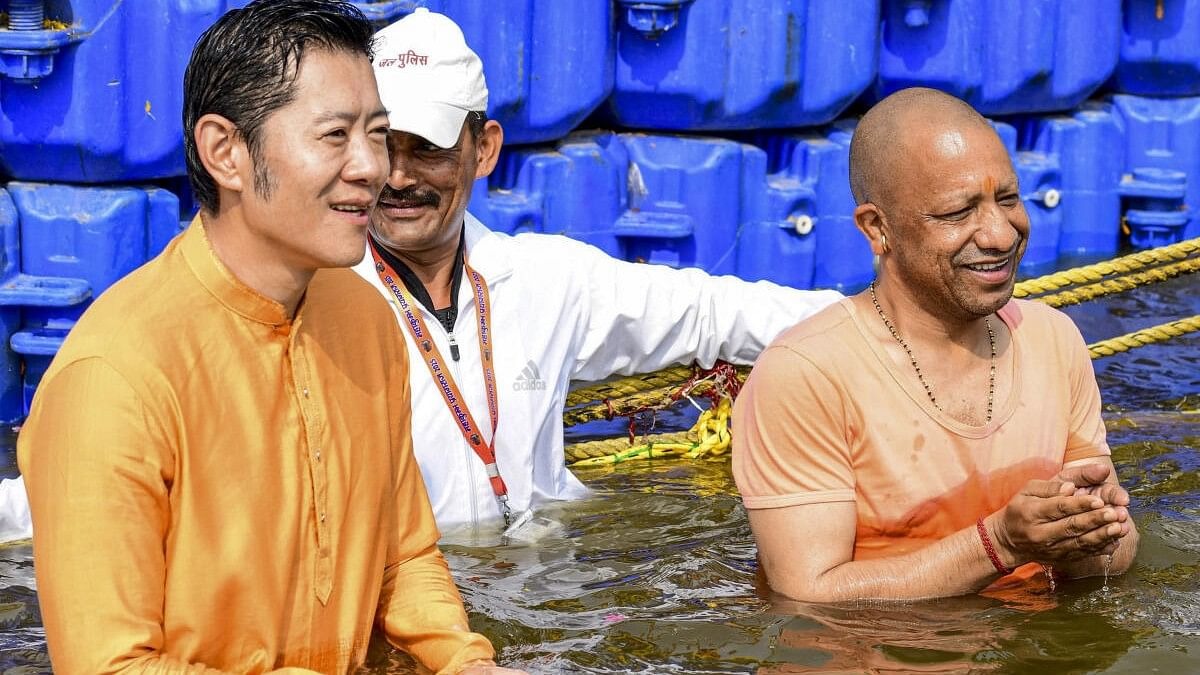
451	394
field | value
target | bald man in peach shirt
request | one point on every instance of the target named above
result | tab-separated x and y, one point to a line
930	436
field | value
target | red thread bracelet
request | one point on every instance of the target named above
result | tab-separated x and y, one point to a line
991	550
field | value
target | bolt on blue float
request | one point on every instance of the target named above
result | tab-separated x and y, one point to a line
28	48
1157	212
808	237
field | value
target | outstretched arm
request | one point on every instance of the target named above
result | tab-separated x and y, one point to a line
638	318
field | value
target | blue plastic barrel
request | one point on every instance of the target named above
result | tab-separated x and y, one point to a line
548	63
104	101
1001	56
37	347
11	409
74	243
577	188
1162	134
1089	147
808	238
94	234
687	199
740	64
1160	52
674	200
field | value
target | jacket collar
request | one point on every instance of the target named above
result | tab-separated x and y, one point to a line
222	284
489	253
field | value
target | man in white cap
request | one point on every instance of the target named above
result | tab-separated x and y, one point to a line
501	324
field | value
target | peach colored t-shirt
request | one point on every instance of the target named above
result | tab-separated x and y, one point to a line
828	416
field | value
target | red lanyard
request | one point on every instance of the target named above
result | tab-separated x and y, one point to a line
444	380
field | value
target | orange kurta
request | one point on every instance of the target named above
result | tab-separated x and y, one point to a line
828	416
215	486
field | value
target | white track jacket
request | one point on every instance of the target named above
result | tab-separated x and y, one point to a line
563	310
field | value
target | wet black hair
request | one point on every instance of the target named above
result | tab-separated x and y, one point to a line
476	119
244	68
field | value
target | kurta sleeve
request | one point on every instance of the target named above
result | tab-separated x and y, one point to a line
420	610
97	470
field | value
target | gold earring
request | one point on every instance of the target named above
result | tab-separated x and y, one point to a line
883	243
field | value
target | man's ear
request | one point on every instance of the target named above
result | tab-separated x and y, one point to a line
870	221
223	152
487	148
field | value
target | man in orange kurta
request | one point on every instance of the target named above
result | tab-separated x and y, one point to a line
219	459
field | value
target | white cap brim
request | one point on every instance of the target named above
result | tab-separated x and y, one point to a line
438	123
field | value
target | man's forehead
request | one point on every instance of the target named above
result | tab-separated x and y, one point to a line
934	143
950	143
399	137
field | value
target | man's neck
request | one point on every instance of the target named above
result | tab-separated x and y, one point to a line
436	269
256	265
918	325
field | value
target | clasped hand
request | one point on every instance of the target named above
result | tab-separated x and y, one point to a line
1073	516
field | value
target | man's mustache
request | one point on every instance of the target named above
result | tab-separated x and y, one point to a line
410	195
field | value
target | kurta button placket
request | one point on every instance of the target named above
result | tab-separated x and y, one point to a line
310	415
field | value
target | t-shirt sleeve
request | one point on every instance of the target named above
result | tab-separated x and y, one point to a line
790	442
1086	436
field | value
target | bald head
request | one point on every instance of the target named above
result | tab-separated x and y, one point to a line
892	126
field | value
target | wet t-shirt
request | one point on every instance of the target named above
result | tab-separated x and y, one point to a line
828	416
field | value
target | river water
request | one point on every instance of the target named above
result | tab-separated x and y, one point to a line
656	573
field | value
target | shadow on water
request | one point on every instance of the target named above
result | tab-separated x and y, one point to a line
657	574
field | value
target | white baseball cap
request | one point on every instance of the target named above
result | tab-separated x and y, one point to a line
429	79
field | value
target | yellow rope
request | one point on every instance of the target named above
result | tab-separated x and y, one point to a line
631	403
1146	336
1093	273
667	377
618	407
709	436
1120	284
